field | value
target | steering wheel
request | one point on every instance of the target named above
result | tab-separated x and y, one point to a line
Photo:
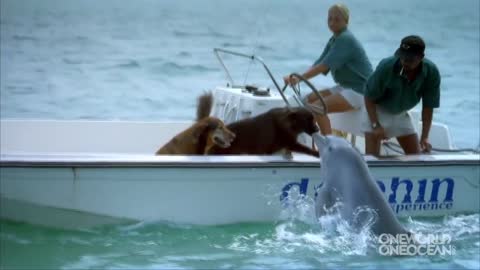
319	109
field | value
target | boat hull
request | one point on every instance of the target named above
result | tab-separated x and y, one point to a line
215	190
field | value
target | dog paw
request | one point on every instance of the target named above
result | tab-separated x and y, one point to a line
287	155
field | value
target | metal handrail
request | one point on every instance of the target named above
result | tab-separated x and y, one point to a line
253	58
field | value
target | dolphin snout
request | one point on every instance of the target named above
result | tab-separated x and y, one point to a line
320	140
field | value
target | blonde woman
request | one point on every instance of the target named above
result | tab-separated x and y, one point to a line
345	58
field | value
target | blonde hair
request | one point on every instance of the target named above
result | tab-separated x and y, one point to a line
343	10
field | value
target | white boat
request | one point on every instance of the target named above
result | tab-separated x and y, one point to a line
86	173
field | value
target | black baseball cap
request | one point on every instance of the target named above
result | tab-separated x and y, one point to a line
411	46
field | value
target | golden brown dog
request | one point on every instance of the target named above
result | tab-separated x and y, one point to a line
198	139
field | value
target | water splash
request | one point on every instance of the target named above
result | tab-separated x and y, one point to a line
298	206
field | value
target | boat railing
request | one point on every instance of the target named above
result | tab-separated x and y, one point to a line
217	52
281	91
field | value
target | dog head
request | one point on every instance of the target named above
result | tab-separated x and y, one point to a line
216	132
302	120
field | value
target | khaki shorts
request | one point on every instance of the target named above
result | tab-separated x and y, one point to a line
353	98
395	125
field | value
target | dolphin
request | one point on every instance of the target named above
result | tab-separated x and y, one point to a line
347	180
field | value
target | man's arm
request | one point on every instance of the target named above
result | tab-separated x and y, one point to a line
310	73
332	58
430	100
315	70
427	115
374	90
371	110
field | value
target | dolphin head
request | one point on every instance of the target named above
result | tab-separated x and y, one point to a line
329	143
332	147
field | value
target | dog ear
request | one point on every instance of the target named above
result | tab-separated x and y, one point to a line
292	117
199	130
213	125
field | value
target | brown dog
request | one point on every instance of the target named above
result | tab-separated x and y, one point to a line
270	132
206	133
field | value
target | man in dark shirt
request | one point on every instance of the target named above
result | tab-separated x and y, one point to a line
396	86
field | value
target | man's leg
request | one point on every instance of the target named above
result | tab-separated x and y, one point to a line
409	144
324	124
372	144
312	97
335	103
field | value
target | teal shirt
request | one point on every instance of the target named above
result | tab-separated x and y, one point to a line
347	61
394	93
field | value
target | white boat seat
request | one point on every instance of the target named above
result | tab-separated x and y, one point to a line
350	122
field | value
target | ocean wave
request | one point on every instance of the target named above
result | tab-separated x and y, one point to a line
264	48
70	61
171	67
24	38
152	103
19	90
125	64
221	35
129	64
242	44
81	38
181	33
167	67
233	44
42	24
153	60
214	34
469	104
184	54
178	33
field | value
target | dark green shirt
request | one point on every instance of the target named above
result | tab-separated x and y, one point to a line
347	60
391	90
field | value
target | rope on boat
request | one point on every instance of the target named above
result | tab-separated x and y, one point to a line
395	147
392	147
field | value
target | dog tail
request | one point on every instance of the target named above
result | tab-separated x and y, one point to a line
204	107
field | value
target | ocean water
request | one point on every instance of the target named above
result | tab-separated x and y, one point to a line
149	59
285	244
